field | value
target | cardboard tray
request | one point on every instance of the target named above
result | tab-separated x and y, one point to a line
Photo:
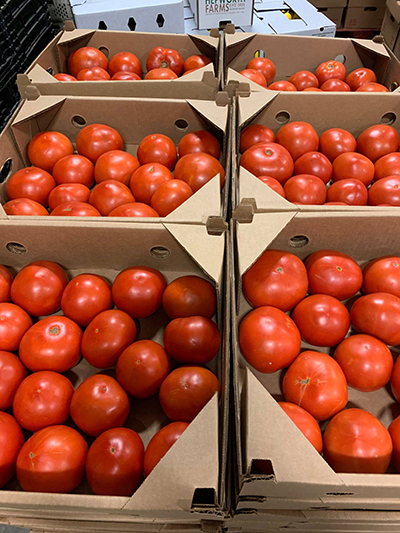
134	118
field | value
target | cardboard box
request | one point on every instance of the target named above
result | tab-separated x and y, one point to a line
335	14
218	13
134	118
367	14
391	23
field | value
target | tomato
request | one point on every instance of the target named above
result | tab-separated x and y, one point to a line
197	169
305	422
254	75
263	65
273	184
303	79
282	86
126	76
314	163
114	464
12	373
377	141
268	159
31	182
125	62
385	191
395	435
395	380
199	141
190	296
24	207
52	460
349	191
115	165
351	165
75	209
142	367
254	134
69	192
276	278
169	196
93	74
333	273
106	337
85	297
188	71
160	443
269	339
330	69
86	57
48	147
335	203
98	404
382	275
305	189
108	195
298	138
64	77
372	88
335	85
378	314
322	320
165	58
186	390
5	284
157	148
388	165
358	443
366	362
313	90
161	74
43	399
134	210
336	141
96	139
360	76
195	62
146	179
138	291
74	169
11	441
316	382
14	323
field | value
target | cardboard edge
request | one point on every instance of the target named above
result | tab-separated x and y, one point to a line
231	39
377	48
248	108
32	108
234	76
208	109
70	35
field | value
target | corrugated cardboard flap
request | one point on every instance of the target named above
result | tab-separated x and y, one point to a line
210	41
73	35
218	115
39	74
231	39
233	75
253	191
31	108
371	45
249	107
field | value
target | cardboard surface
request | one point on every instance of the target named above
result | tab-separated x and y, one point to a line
390	28
370	17
217	13
335	14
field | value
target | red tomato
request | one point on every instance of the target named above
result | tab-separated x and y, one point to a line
263	65
196	62
316	382
98	404
366	362
142	367
303	79
298	138
333	273
138	291
106	337
169	196
186	390
86	57
395	380
146	179
305	189
11	441
388	165
31	182
161	74
74	169
69	192
187	72
199	141
48	147
52	460
378	314
335	203
93	74
282	86
75	209
64	77
394	431
351	192
125	76
108	195
134	210
268	159
125	62
273	184
330	69
382	275
358	443
276	278
385	191
197	169
322	320
165	58
43	399
38	288
85	297
335	85
336	141
12	373
157	148
313	90
254	75
14	323
353	166
115	165
96	139
360	76
269	339
190	296
254	134
315	164
161	442
305	422
377	141
114	464
372	88
5	284
24	207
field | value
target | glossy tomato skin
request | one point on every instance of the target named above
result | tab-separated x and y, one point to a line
385	191
333	273
313	89
351	165
330	70
357	442
358	77
126	76
12	373
52	460
394	431
186	390
335	85
349	191
388	165
124	62
48	147
269	339
263	65
146	179
68	192
99	404
254	75
108	195
142	368
378	314
31	182
273	184
304	79
25	207
254	134
395	380
38	287
86	57
282	86
277	278
14	323
298	138
43	399
366	362
316	382
190	296
11	441
382	275
74	169
138	291
199	141
165	58
157	148
197	169
64	77
6	280
169	196
314	163
377	141
135	209
75	209
268	159
93	74
51	344
305	422
96	139
305	189
161	74
160	443
106	337
195	62
372	88
114	464
336	141
115	165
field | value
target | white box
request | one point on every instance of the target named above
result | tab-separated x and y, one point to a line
218	13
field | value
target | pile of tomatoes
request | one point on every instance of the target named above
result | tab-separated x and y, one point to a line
125	185
90	64
356	333
335	168
44	436
329	76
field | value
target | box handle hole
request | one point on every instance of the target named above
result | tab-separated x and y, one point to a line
282	117
388	118
262	466
102	26
393	86
160	252
16	248
78	121
181	124
298	241
341	58
5	170
104	49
